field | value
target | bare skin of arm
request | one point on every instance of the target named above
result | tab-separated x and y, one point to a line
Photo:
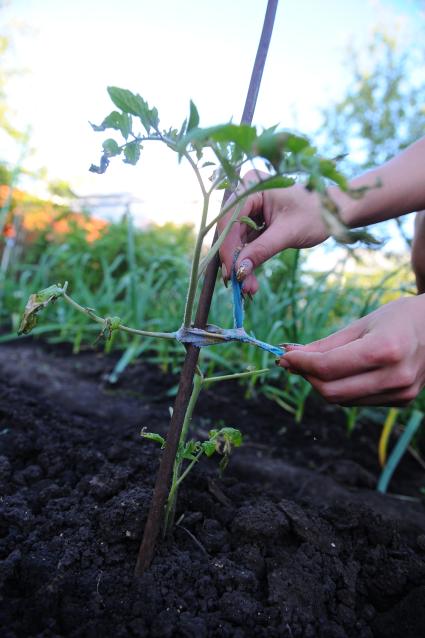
379	359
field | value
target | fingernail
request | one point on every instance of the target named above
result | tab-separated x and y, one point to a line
290	346
224	274
245	268
283	363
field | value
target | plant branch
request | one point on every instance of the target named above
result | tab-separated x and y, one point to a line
237	375
90	313
195	267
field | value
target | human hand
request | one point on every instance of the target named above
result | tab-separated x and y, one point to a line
377	360
291	218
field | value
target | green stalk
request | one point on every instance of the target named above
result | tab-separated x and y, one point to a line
237	375
170	509
90	313
217	244
193	283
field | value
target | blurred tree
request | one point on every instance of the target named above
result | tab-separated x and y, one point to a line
383	110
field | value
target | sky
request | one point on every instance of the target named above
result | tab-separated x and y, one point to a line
171	52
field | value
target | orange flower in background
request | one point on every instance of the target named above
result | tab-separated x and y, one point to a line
36	215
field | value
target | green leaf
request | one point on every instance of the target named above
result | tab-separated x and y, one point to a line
242	135
118	121
251	223
132	153
135	105
209	447
153	436
272	146
189	450
193	117
232	435
280	181
35	303
328	169
111	148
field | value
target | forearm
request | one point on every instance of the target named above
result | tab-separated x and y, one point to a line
402	189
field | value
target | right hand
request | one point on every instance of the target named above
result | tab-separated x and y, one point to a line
291	218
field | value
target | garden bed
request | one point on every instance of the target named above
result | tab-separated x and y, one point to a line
291	541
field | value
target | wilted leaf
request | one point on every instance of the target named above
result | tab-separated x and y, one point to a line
35	303
232	435
104	163
153	436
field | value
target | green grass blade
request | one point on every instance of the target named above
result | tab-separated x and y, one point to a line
399	450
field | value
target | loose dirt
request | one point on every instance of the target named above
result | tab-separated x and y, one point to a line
293	541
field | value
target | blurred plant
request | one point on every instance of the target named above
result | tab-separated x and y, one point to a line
390	465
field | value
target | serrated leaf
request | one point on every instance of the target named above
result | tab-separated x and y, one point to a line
134	104
189	450
280	181
272	145
209	447
35	303
117	121
242	135
193	117
328	169
132	153
111	148
153	436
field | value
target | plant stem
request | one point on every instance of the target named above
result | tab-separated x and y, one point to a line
90	313
187	321
217	244
170	509
153	523
237	375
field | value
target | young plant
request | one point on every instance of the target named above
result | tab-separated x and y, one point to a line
226	149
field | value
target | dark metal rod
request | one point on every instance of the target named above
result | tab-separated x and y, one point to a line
156	511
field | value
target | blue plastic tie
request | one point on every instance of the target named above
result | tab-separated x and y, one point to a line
214	335
238	309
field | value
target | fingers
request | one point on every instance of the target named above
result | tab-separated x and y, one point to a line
360	355
337	339
237	234
250	285
378	385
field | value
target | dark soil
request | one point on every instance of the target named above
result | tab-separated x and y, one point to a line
292	542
